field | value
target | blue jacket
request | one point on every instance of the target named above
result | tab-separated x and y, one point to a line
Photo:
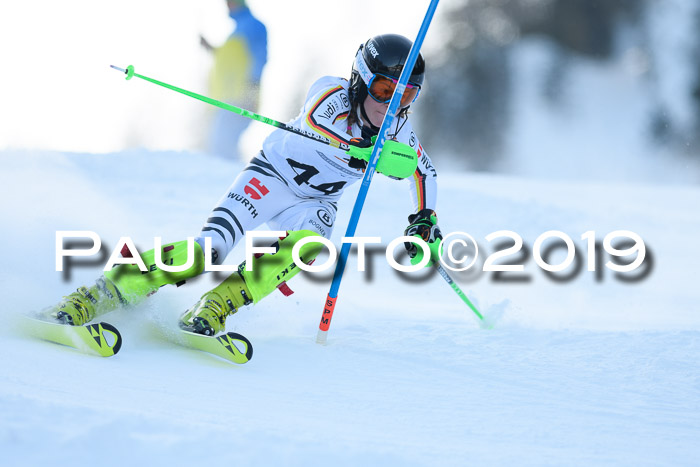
254	33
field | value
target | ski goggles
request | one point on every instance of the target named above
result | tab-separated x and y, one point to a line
381	87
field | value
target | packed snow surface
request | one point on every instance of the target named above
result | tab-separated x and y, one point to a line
593	370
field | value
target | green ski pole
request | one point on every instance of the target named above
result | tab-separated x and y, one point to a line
401	162
232	108
462	295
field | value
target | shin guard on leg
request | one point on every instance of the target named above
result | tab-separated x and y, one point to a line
127	284
135	285
208	315
269	271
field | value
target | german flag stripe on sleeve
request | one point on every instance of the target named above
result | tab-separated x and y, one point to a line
341	116
311	121
419	179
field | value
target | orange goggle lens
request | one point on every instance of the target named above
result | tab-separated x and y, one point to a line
381	88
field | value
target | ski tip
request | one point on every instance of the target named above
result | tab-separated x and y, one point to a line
117	345
248	345
101	339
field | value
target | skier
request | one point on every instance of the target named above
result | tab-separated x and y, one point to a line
292	185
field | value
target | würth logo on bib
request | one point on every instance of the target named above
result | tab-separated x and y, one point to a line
255	189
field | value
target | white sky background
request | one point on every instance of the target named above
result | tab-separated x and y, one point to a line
58	92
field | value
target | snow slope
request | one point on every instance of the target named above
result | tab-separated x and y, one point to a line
576	373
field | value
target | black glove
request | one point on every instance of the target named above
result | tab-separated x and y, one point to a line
423	224
367	144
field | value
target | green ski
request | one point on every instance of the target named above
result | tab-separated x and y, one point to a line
230	346
101	339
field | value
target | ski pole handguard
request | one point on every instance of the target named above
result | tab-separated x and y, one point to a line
397	159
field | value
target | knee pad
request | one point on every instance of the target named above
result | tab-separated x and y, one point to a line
135	285
269	271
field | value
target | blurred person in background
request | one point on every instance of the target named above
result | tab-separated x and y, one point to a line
235	77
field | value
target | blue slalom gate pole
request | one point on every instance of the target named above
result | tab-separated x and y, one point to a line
369	173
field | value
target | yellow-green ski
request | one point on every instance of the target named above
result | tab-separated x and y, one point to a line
230	346
101	339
